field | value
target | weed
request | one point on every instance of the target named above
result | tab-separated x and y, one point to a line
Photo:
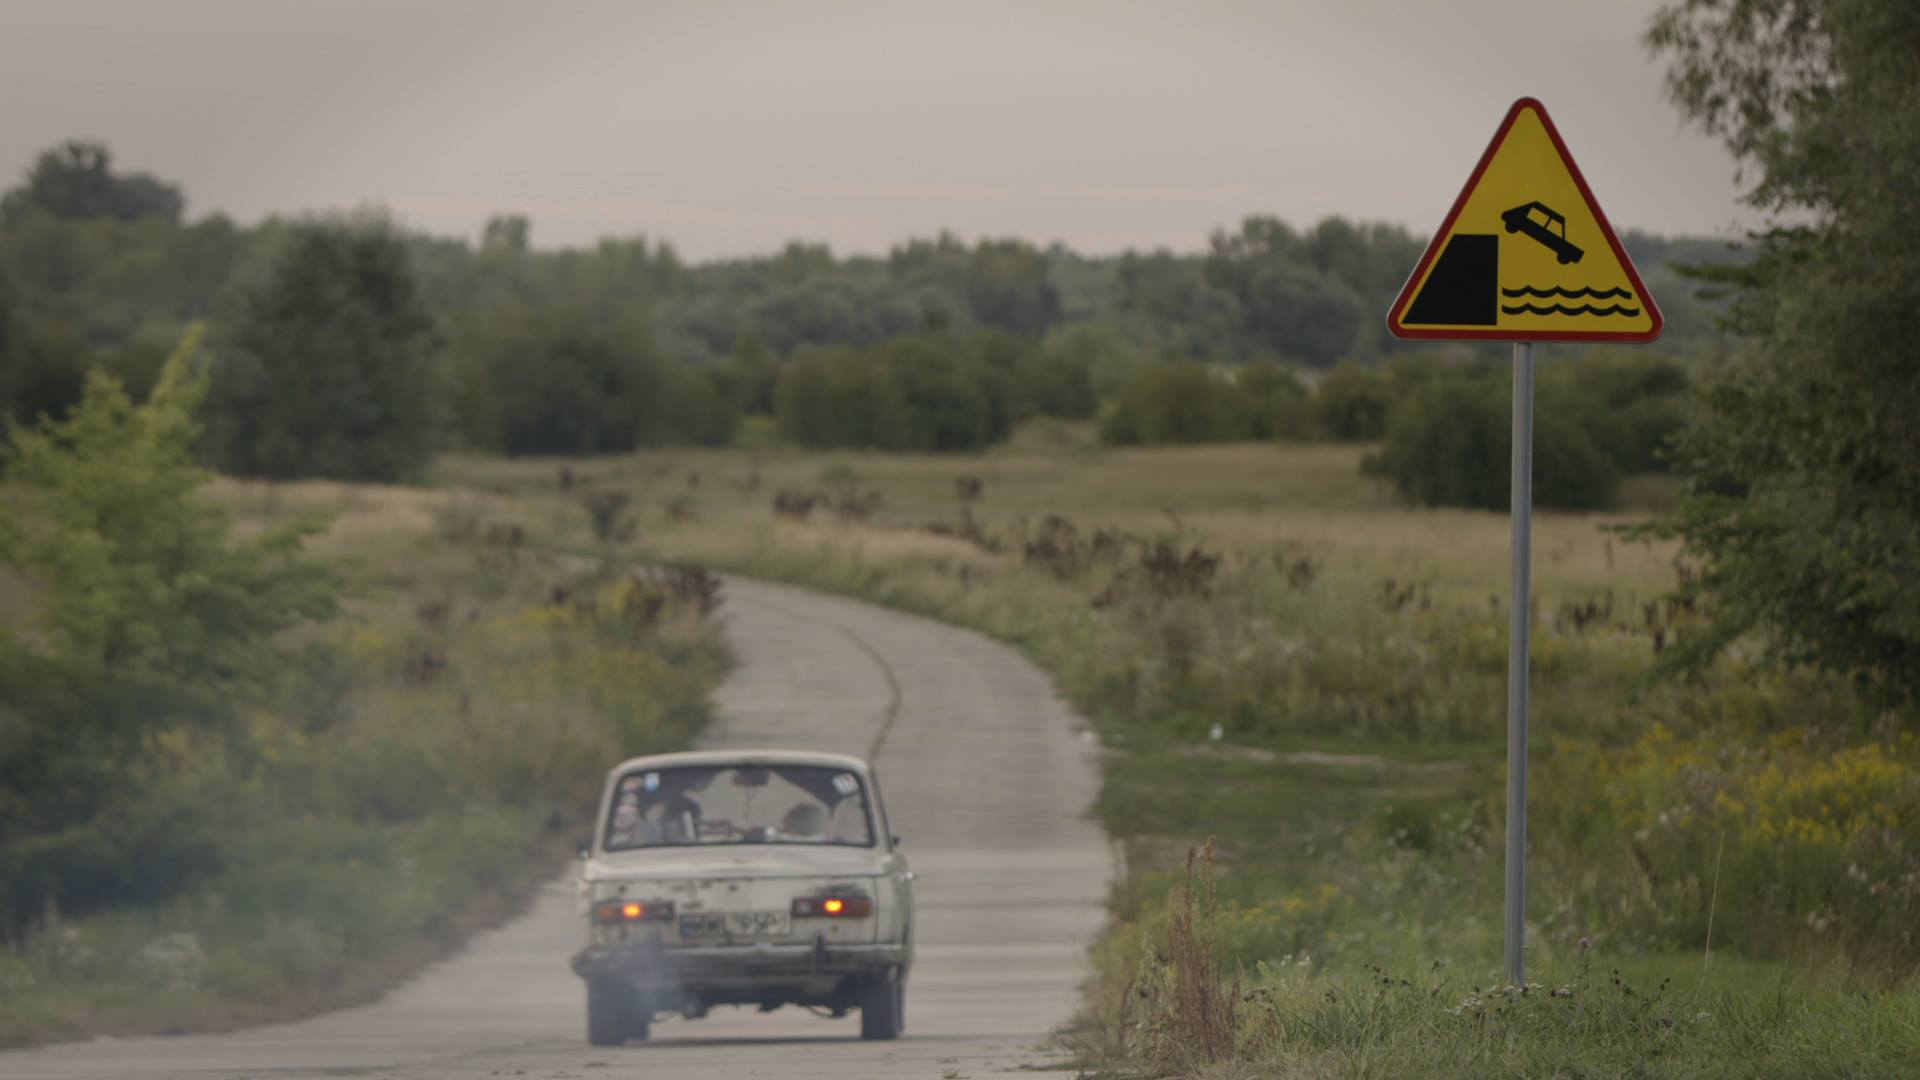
607	512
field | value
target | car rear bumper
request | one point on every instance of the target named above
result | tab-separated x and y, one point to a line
655	964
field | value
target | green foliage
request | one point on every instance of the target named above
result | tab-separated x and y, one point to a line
937	391
1175	403
148	619
1804	451
1632	404
1799	836
1352	403
950	400
556	381
1056	381
111	280
99	276
1007	288
42	369
1307	297
1274	401
326	864
1101	349
1450	438
838	398
327	370
1192	403
76	180
746	380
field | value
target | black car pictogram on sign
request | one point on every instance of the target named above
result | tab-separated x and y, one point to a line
1543	223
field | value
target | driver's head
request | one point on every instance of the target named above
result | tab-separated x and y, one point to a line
805	819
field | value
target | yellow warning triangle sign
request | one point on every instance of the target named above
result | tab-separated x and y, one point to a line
1526	253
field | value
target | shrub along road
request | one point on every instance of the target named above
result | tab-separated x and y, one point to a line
986	774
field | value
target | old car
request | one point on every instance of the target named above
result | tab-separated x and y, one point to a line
736	878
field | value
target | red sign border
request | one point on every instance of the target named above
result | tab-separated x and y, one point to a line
1446	230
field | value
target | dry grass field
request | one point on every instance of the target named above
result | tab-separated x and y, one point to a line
1278	656
1282	657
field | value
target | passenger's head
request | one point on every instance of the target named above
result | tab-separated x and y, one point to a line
804	820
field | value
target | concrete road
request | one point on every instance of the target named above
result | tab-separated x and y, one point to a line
987	775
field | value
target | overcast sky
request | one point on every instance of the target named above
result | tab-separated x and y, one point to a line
731	127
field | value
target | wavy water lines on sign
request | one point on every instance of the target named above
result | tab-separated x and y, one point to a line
1568	294
1562	309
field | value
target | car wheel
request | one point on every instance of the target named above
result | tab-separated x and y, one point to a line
883	1008
610	1017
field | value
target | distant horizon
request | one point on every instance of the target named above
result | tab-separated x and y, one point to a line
728	128
473	235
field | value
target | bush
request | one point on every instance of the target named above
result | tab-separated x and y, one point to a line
931	392
1352	403
1632	404
836	398
1450	444
1175	403
1191	403
561	382
1813	841
1109	357
1274	401
150	624
949	400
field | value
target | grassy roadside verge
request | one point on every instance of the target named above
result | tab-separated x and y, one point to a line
415	788
1352	654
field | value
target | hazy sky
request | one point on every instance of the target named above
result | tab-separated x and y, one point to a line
730	127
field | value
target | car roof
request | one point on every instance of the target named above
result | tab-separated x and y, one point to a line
740	757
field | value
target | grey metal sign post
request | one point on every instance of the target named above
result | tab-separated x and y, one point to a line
1525	255
1518	641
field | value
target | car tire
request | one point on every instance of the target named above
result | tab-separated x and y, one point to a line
610	1019
883	1008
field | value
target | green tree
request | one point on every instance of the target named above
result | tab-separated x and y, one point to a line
557	381
1176	403
1008	288
1291	308
1273	400
42	366
148	618
947	402
507	233
1632	402
1352	403
76	180
832	398
749	375
1804	450
1103	350
1450	440
328	369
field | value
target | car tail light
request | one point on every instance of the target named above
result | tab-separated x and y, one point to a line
631	911
832	907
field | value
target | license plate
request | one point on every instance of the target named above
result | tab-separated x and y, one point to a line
729	924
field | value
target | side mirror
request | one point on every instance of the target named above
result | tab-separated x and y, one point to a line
898	839
584	850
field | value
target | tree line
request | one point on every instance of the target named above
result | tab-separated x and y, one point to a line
345	346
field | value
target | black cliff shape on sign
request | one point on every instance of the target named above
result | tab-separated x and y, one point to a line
1463	289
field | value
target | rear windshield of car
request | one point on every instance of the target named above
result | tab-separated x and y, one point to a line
739	804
